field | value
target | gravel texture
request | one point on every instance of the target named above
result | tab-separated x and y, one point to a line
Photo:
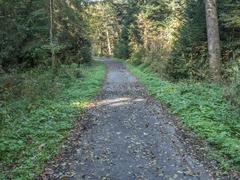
124	135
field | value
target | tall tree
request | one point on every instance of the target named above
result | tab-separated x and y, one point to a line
213	39
51	34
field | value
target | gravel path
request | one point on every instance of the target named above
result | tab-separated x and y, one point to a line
124	135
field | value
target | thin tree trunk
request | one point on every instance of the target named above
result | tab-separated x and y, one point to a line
145	34
101	49
109	44
214	50
51	36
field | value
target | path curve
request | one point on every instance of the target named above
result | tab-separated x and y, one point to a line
124	135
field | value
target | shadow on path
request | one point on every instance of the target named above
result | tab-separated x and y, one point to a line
124	135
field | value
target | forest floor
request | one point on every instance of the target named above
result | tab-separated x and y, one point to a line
125	134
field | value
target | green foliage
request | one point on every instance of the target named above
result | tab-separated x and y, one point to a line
232	93
121	49
156	11
202	107
171	36
189	55
104	27
128	19
23	31
25	28
72	31
166	36
137	57
37	110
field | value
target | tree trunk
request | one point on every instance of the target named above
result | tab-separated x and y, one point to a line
213	39
51	35
109	44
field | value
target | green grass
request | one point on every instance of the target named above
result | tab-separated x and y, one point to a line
202	108
37	111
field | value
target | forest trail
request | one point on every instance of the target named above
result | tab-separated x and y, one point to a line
124	135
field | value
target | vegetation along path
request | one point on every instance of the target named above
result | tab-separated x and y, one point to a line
124	135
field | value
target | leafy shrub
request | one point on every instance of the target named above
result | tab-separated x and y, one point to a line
136	57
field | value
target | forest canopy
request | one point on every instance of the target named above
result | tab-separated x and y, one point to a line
169	36
25	27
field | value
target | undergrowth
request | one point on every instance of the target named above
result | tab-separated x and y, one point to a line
37	110
203	108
